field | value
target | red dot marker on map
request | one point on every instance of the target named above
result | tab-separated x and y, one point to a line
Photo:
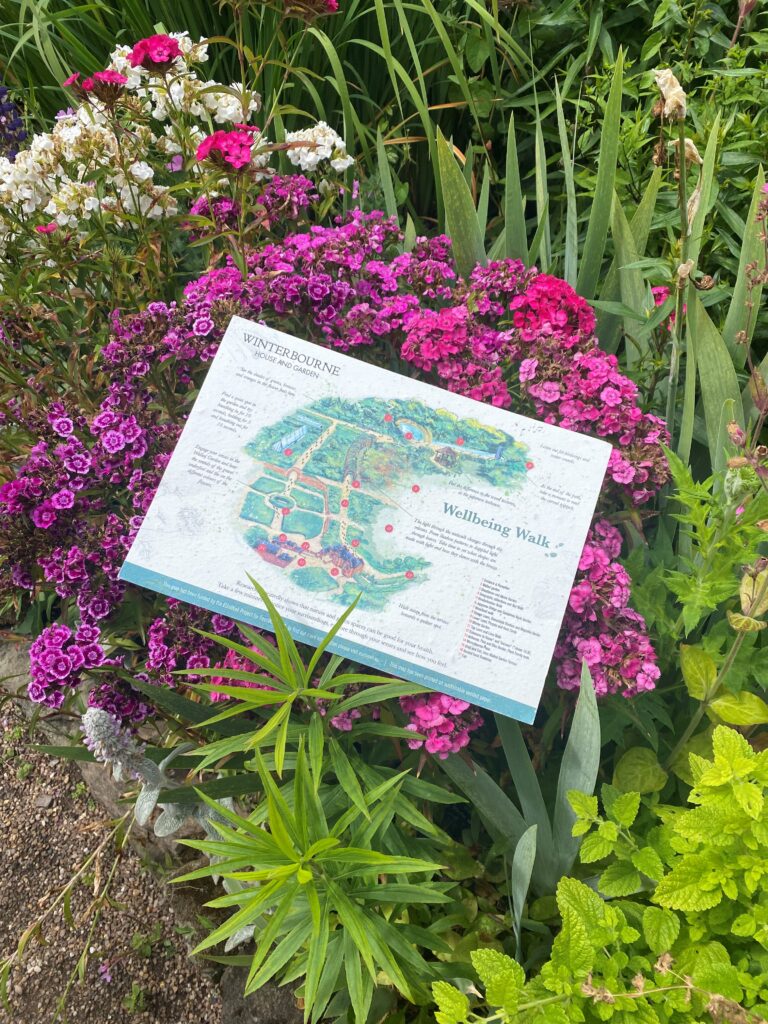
355	543
459	440
409	575
285	511
408	436
288	451
389	527
356	484
344	503
415	488
302	561
388	417
334	572
305	545
283	538
529	465
262	547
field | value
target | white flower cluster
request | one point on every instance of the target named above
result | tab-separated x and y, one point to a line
82	170
181	91
320	143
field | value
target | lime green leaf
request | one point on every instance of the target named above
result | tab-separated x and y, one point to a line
648	862
595	847
699	671
619	879
689	886
660	928
584	806
502	978
624	809
571	949
639	771
743	708
452	1005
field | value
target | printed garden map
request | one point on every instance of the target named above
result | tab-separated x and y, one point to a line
328	473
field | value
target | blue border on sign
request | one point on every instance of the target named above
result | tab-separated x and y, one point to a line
191	594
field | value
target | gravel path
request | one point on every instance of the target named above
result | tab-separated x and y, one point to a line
48	825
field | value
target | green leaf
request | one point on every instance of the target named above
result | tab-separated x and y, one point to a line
595	847
690	886
572	949
590	269
578	770
745	303
542	240
502	978
348	780
619	879
639	771
570	257
631	284
624	809
460	214
720	391
584	806
452	1005
515	235
523	862
648	862
699	671
528	792
660	929
743	708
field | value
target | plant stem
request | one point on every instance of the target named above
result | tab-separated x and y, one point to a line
682	285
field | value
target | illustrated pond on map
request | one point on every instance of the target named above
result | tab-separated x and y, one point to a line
327	475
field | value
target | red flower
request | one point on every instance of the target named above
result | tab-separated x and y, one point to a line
72	80
155	53
46	229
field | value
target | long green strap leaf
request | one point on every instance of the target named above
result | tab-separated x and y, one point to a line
597	231
570	262
460	214
720	392
742	312
515	235
578	770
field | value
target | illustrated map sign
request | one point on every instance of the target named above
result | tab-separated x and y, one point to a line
460	525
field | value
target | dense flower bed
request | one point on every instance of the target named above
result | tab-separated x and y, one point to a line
509	336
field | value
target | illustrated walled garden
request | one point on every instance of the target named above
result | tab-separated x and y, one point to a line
555	208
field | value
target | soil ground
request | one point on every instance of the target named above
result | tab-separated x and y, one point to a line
139	970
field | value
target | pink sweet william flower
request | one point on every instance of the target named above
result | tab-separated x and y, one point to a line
155	53
110	77
229	148
46	229
72	80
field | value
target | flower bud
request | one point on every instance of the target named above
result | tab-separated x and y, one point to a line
736	434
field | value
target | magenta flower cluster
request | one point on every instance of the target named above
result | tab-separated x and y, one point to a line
600	628
230	149
508	336
445	722
58	658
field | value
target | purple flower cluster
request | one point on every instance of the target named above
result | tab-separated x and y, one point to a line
173	645
57	660
12	132
507	335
